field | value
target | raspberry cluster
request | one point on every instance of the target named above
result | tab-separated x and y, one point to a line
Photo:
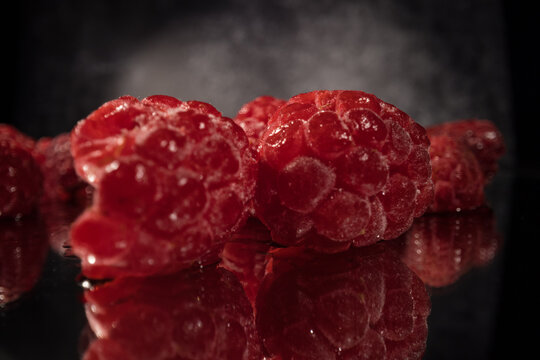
344	166
173	181
192	315
464	157
362	303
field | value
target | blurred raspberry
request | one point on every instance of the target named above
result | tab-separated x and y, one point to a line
173	181
23	250
343	165
457	176
440	248
362	303
246	254
481	136
254	115
21	181
195	314
61	182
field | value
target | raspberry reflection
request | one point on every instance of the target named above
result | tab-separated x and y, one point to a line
360	304
23	249
440	248
194	314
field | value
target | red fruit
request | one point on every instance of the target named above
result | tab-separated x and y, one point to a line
481	136
20	175
23	250
195	314
440	248
456	174
254	116
344	166
362	303
173	181
61	182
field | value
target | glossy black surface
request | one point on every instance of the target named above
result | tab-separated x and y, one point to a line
436	60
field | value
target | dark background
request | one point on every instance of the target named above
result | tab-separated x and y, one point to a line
436	60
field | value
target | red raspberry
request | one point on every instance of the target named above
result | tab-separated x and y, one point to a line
196	314
254	115
246	254
20	175
362	303
457	176
173	181
60	182
23	250
481	136
343	165
440	248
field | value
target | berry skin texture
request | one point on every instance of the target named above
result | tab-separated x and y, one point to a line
440	248
254	116
481	136
457	176
173	181
21	180
196	314
344	166
23	250
362	303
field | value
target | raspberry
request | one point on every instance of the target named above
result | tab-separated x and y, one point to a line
361	303
174	180
195	314
246	254
20	175
457	176
481	136
23	250
60	181
343	166
254	116
440	248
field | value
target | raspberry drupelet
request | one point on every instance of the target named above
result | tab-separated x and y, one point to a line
173	180
343	167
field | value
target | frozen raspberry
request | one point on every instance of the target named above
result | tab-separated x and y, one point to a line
457	176
246	254
361	303
440	248
21	181
342	165
481	136
254	115
174	180
192	315
23	249
61	182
